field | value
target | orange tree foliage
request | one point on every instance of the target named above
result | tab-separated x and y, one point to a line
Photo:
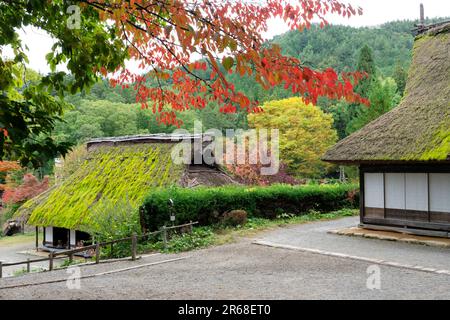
187	47
6	166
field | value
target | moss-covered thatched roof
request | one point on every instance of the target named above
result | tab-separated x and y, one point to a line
419	128
110	175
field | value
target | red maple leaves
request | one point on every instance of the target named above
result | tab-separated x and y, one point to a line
29	188
186	48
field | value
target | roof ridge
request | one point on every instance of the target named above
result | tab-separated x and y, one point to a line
433	29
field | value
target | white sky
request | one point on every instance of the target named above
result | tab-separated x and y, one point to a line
375	12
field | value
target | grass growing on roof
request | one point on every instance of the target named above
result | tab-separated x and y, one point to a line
441	144
108	175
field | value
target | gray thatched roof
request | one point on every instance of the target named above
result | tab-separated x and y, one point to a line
419	128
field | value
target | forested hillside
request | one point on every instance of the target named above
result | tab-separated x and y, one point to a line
338	47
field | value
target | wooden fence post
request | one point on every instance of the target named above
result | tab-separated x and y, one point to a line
133	246
1	269
190	226
97	253
28	265
50	261
111	251
37	238
164	231
70	257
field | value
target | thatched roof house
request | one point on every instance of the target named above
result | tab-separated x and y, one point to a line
116	171
404	155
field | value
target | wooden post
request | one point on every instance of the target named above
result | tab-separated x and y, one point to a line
111	250
1	269
70	257
37	238
190	227
50	262
133	246
97	253
28	265
164	232
422	14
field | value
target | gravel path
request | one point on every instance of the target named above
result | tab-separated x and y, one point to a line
316	236
14	251
236	271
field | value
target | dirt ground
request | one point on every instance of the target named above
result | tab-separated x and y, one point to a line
20	247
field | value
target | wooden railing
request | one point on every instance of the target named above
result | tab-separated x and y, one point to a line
96	247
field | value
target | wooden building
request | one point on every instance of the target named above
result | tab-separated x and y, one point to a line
404	156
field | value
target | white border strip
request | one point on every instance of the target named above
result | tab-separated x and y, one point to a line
346	256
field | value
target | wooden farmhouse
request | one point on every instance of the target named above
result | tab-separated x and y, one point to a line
404	156
118	171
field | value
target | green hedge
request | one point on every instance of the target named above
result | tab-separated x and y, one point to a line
207	205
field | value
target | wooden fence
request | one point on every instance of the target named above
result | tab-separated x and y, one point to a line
96	248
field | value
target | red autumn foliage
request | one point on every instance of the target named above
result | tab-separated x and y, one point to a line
250	174
4	132
224	36
29	188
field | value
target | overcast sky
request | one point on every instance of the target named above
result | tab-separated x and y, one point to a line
375	12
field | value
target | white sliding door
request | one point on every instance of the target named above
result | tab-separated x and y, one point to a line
440	192
48	234
73	237
373	190
416	187
395	191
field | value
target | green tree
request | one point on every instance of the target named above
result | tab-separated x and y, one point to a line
341	117
306	133
366	63
27	120
383	97
99	118
103	118
400	76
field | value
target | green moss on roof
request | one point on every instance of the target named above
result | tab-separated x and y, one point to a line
440	148
419	128
109	175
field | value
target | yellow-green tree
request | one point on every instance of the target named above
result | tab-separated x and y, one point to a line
305	131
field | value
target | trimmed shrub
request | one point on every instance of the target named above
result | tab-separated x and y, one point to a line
208	205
